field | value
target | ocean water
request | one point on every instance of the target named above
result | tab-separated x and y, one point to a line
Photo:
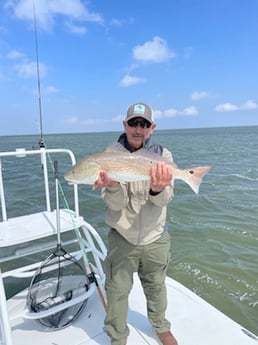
214	234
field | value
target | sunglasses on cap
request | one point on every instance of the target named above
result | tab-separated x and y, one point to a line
143	123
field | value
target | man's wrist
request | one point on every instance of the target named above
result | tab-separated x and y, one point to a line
153	193
112	183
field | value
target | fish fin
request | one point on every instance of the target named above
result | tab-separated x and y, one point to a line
193	176
154	157
94	185
143	152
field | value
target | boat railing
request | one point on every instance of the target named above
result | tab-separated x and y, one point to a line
91	244
45	162
32	233
5	328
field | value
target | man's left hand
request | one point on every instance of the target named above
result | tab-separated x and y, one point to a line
161	176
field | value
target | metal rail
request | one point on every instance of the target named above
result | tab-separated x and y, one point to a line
43	153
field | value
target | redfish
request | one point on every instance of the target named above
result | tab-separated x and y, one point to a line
124	166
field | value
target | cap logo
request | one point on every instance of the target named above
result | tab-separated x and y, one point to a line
139	109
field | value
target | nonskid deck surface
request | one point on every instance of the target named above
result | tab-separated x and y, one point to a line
34	226
194	321
87	329
205	325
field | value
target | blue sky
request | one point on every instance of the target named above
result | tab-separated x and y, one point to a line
193	61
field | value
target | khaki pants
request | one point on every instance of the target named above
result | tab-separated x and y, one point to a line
150	261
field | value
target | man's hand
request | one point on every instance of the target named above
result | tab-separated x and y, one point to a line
104	181
161	176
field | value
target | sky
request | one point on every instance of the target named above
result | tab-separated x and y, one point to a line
195	62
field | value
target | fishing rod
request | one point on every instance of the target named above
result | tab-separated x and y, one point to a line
41	139
91	274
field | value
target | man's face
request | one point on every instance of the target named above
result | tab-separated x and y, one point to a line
137	130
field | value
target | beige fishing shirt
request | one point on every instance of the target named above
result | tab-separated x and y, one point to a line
136	214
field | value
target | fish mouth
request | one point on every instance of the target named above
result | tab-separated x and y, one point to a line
67	177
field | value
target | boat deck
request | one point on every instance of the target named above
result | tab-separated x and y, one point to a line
34	226
194	321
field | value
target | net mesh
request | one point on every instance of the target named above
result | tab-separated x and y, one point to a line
59	279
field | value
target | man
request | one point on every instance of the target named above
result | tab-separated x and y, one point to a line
138	239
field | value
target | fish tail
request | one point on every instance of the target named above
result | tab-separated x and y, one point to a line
193	176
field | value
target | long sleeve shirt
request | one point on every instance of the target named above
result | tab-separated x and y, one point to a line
134	212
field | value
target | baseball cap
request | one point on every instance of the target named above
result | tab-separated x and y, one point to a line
140	110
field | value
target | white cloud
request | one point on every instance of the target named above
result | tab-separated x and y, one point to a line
72	120
46	90
50	89
15	54
158	114
120	22
249	105
29	69
24	68
189	111
196	96
226	107
170	112
76	29
129	80
97	121
153	51
86	122
47	11
116	22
